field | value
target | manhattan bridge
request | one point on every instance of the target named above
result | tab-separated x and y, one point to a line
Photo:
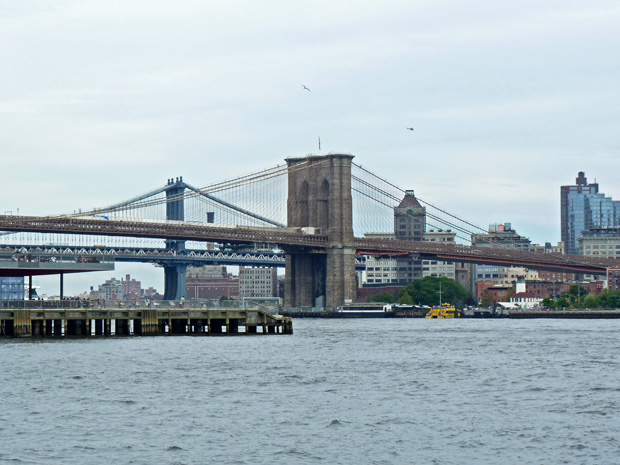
310	215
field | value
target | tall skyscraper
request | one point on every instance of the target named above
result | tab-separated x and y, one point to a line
583	208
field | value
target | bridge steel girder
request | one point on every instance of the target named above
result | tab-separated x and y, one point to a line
161	230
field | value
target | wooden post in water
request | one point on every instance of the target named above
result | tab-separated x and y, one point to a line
150	322
22	326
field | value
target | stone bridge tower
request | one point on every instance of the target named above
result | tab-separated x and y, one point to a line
319	196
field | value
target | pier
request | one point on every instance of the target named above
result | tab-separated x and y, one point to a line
570	314
46	321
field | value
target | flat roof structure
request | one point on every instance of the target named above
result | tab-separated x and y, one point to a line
38	268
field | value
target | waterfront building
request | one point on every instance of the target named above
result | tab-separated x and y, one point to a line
382	271
548	248
499	293
582	208
464	274
511	275
591	287
125	289
409	225
396	272
112	289
613	279
258	282
211	282
556	276
389	271
132	289
525	300
438	268
542	289
604	242
499	235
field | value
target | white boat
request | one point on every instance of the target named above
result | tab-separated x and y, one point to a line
366	310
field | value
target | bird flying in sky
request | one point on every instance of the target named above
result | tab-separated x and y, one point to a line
305	88
411	129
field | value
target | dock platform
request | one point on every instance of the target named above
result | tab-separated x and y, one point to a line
567	314
110	322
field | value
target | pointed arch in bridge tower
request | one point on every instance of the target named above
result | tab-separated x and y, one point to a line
319	196
302	204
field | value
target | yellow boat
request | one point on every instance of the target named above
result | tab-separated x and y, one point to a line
444	311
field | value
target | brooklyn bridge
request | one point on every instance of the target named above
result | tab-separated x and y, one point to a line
311	214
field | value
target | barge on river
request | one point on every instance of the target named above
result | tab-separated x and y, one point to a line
360	310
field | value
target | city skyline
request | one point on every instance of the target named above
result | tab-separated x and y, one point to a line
508	100
155	277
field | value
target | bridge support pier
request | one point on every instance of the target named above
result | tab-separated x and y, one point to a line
341	279
305	280
175	282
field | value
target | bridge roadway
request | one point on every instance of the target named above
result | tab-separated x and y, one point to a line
178	230
156	255
296	238
488	255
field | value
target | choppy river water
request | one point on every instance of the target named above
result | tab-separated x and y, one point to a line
368	391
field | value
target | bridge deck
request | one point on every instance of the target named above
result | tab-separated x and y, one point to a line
37	268
295	238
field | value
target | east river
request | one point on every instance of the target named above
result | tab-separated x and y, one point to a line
390	391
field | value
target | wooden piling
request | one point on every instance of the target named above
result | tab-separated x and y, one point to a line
22	324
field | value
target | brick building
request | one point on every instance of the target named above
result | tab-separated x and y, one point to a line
211	282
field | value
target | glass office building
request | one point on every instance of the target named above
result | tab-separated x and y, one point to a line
583	207
11	288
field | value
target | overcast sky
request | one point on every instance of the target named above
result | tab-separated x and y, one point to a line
101	101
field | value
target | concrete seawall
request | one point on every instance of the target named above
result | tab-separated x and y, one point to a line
577	315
